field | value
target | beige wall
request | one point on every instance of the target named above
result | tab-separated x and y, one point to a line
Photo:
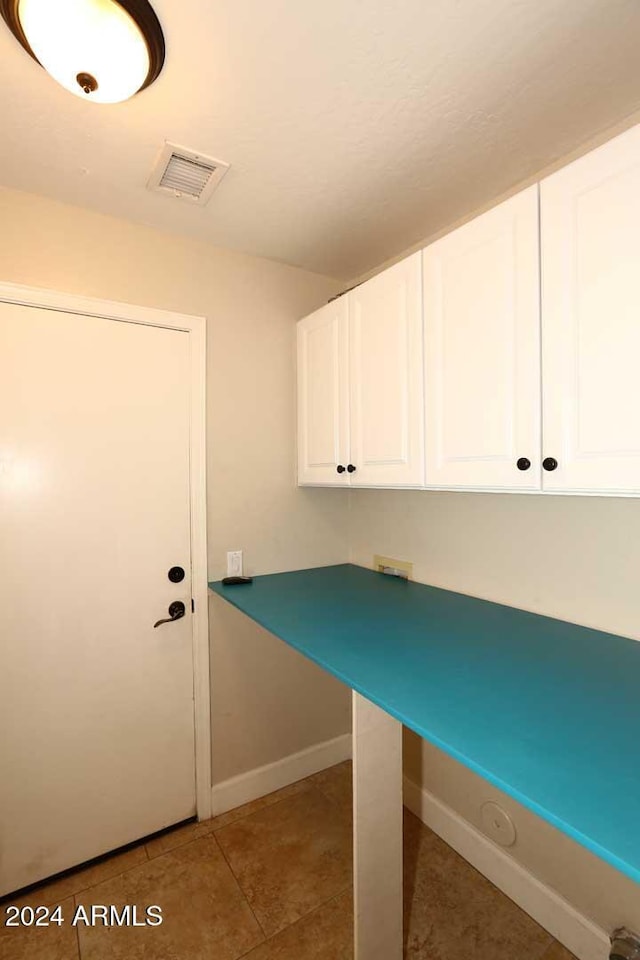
571	557
251	306
576	558
581	149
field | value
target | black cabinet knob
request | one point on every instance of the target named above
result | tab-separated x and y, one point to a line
549	463
340	468
351	468
176	574
523	463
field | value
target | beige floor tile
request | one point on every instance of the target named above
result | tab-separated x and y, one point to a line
336	784
193	831
40	943
557	952
205	916
177	837
452	911
293	790
289	858
82	879
325	934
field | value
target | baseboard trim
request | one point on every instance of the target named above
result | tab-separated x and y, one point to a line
578	934
256	783
544	905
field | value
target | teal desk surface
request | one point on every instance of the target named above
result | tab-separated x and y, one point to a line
546	710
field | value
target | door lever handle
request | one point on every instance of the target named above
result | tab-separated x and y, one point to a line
176	611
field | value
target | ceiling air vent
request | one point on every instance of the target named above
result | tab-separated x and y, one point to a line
187	175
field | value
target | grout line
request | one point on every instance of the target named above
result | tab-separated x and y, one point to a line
334	801
242	893
40	889
161	853
113	876
248	813
78	935
310	786
75	906
313	787
266	806
319	906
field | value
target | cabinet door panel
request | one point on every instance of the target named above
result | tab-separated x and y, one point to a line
323	417
387	433
482	352
591	320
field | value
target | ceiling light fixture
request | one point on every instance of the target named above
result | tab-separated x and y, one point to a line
101	50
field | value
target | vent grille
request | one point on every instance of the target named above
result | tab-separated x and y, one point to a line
186	175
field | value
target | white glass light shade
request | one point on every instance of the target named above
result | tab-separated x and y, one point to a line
94	37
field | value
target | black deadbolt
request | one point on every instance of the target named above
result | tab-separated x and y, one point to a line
523	463
176	574
549	463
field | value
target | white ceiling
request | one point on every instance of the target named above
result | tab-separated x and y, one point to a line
354	127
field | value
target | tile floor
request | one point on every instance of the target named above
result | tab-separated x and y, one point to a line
272	881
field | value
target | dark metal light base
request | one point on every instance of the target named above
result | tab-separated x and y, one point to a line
140	11
625	945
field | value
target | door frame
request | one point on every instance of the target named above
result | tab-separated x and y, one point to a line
195	326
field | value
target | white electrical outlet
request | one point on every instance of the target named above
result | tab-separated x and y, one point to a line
234	563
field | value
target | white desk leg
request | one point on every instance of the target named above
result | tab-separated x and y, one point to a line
377	832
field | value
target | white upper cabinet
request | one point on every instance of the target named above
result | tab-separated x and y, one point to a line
360	398
386	378
438	371
323	402
482	351
591	320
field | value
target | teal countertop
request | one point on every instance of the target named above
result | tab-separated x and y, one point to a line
546	710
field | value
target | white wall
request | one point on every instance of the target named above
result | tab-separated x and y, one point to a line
251	306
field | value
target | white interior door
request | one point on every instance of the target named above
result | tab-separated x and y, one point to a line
386	378
323	400
590	320
96	706
482	351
